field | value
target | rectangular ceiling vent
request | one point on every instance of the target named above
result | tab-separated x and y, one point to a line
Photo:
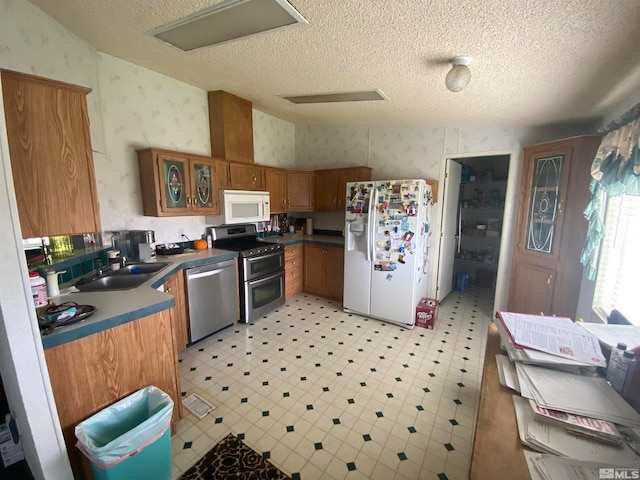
227	21
338	97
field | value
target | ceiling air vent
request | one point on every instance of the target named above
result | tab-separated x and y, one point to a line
362	96
226	21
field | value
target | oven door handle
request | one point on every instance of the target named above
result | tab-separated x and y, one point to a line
262	257
259	281
208	273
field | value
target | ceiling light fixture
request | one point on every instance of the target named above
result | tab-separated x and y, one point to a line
226	21
337	97
459	76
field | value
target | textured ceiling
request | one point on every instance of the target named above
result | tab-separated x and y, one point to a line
534	62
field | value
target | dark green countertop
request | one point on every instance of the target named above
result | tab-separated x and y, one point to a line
115	308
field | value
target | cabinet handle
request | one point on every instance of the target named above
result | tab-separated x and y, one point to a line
254	179
188	200
560	206
289	201
549	279
335	201
168	290
284	201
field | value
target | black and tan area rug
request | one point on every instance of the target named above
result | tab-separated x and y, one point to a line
231	459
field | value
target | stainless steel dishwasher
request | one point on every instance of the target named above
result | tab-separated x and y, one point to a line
212	298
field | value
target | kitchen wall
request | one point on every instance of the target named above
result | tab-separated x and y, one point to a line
141	108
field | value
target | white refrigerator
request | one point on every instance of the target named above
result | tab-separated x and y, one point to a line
386	254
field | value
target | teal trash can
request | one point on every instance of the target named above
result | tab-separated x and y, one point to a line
131	438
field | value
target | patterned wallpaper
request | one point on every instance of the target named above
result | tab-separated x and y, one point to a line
141	109
31	42
273	141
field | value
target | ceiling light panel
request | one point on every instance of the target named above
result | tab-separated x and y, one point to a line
227	21
361	96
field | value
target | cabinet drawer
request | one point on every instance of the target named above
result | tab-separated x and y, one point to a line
293	251
293	286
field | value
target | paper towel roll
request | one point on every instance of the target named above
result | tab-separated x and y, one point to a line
308	229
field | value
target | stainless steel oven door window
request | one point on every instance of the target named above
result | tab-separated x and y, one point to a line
262	295
257	267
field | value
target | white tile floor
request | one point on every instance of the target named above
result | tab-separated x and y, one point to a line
324	394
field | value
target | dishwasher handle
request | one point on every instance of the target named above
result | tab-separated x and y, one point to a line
208	273
210	269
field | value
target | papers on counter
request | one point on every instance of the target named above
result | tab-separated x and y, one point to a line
577	394
507	373
547	438
549	467
610	335
529	356
558	336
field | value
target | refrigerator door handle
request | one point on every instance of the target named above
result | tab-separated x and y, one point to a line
459	227
370	225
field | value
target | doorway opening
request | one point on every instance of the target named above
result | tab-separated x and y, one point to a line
473	216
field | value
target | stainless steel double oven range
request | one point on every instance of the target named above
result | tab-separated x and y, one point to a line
261	267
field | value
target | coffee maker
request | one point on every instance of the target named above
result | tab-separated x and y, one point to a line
143	245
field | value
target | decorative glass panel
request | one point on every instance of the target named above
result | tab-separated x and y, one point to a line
543	205
202	180
174	184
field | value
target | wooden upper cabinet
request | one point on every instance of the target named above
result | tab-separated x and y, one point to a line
546	272
231	127
330	186
246	177
223	174
275	183
175	184
51	156
300	186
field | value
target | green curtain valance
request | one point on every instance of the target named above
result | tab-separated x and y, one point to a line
615	171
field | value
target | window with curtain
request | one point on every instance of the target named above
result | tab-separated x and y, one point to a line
611	254
619	262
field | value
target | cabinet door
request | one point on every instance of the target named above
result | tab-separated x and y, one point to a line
246	177
314	269
204	189
334	272
532	289
299	191
175	286
326	193
275	182
51	157
231	127
546	193
223	175
173	174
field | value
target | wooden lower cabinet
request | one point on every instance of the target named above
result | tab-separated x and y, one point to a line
176	286
324	271
93	372
293	270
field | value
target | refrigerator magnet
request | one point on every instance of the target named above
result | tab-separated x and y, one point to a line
389	277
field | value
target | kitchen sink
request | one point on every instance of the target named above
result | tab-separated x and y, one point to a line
139	268
113	282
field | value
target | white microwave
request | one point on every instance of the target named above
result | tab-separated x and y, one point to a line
245	206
